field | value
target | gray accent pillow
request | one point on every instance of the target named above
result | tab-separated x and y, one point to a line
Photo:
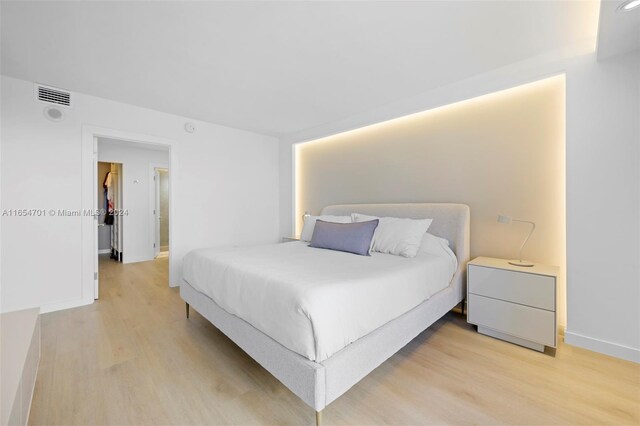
348	237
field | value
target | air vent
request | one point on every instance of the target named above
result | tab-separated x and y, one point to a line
52	95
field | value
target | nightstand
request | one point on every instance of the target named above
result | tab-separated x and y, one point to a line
289	239
513	303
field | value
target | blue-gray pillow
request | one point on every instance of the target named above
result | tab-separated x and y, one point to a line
349	237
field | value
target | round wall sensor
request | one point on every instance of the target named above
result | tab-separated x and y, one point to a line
53	114
189	127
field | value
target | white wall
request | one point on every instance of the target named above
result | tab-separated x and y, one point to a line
603	185
224	188
603	206
138	195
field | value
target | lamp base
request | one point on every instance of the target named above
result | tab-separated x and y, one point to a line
522	263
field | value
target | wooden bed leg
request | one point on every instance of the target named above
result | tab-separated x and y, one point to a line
462	307
187	307
318	418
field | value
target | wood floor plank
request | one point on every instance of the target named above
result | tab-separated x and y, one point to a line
132	358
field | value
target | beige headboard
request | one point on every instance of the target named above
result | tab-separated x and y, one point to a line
450	221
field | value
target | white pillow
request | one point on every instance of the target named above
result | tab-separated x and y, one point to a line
396	235
310	223
436	246
433	245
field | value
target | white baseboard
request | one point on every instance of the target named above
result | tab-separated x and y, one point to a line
602	346
104	251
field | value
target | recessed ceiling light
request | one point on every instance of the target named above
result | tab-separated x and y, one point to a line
628	5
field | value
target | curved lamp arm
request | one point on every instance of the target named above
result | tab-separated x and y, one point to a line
533	228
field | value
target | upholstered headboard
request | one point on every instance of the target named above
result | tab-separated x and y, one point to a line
450	221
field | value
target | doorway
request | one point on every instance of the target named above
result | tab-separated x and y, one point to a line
130	203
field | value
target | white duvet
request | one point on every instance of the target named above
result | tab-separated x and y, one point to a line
314	301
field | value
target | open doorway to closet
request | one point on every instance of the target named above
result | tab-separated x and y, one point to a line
133	196
110	203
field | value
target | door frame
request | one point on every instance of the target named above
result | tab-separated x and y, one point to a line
96	276
155	206
89	199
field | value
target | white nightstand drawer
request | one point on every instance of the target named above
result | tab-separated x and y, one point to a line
527	323
538	291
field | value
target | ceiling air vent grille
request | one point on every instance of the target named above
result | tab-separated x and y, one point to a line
53	96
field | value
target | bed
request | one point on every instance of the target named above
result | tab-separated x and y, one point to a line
320	330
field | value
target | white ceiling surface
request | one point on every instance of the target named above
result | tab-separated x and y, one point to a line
619	31
277	67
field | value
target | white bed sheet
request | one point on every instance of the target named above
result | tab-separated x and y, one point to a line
314	301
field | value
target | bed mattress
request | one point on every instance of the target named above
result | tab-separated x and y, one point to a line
313	301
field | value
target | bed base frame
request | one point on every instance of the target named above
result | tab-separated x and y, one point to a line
319	384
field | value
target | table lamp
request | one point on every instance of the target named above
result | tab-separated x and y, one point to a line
507	221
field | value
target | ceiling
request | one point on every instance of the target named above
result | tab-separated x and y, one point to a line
277	67
619	30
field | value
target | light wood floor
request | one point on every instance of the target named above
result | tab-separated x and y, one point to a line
133	358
